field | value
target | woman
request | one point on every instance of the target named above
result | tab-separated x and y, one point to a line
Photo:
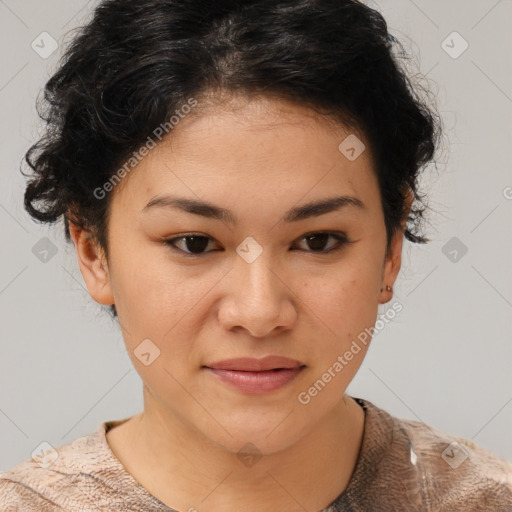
238	179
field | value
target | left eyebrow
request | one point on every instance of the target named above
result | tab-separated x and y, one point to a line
295	214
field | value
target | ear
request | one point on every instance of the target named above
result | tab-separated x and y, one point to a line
93	265
393	259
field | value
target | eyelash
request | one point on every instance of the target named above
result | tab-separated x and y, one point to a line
341	239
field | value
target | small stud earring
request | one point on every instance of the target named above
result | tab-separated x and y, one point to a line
388	288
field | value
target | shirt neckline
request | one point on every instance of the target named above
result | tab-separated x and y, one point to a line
377	437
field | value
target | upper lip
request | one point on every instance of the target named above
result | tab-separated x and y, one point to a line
249	364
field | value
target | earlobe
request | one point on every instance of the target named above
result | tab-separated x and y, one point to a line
93	265
392	266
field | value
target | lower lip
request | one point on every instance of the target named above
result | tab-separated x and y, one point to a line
256	383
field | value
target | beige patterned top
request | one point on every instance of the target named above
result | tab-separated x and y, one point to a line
403	465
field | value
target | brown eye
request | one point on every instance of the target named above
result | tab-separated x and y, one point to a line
194	245
318	241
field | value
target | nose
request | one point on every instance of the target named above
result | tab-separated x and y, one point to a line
259	298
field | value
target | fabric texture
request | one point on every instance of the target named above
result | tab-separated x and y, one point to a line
403	465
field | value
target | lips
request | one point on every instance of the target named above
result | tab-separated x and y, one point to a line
249	364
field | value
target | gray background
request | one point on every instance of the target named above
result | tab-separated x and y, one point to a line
445	359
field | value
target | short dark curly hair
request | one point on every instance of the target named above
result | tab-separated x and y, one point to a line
138	61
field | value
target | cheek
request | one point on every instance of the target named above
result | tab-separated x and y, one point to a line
162	301
147	292
344	310
344	299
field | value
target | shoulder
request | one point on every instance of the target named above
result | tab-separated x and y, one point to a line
457	473
55	478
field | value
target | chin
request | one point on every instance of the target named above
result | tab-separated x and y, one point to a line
263	437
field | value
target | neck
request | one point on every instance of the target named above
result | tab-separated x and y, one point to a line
186	470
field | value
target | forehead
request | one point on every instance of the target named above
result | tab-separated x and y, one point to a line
262	149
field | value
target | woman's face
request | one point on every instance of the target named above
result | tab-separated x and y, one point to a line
257	285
